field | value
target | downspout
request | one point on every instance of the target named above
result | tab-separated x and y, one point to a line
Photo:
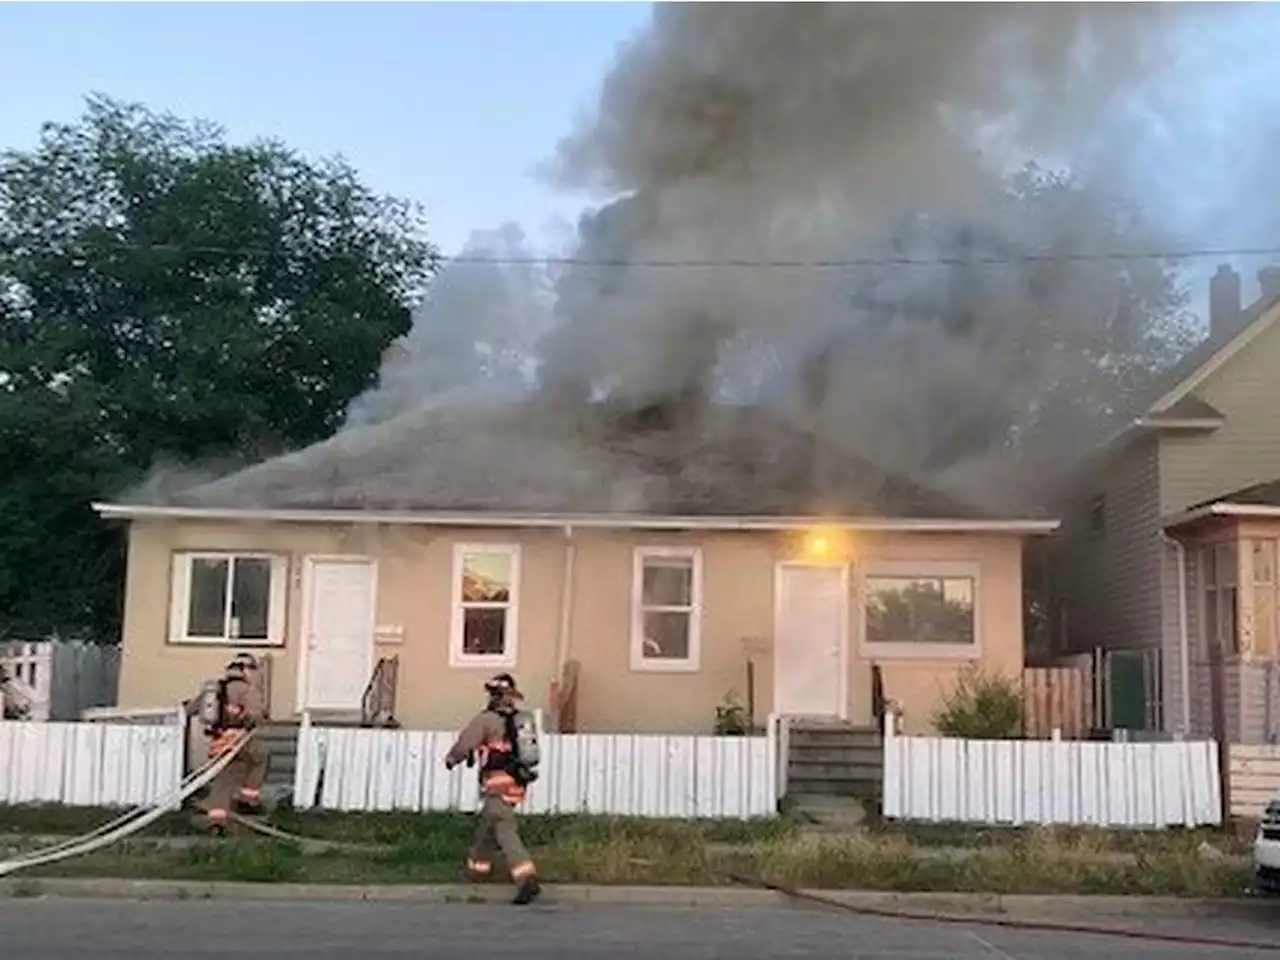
565	634
1184	641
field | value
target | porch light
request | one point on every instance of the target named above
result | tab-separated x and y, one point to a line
817	545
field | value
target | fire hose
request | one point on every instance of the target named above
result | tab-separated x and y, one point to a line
1007	923
129	823
142	817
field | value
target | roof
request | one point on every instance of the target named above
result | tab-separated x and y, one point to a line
1189	372
1256	500
732	462
1171	403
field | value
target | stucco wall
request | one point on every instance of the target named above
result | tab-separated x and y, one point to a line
414	583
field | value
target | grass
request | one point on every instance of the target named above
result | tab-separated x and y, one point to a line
431	848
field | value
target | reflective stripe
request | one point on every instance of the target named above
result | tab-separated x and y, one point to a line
522	871
250	792
479	866
218	816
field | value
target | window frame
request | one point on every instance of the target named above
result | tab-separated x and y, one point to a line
921	570
459	658
181	563
639	662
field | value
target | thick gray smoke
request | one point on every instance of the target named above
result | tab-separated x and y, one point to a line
829	133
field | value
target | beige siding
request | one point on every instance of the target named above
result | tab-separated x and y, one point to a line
414	566
1246	448
1112	582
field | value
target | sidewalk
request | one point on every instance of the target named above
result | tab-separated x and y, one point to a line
1026	906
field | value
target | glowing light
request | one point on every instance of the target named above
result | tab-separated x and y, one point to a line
818	545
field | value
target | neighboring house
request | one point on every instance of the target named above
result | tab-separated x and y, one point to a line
1132	567
655	558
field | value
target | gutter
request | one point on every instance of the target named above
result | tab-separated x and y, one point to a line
1243	511
111	511
1184	639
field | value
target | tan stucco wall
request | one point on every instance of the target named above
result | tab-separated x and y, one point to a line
414	571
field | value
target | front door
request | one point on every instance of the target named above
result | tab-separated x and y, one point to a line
339	623
809	640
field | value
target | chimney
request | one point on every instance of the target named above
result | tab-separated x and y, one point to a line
1269	282
1224	299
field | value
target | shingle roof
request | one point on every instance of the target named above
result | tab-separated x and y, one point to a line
1190	407
1265	494
730	462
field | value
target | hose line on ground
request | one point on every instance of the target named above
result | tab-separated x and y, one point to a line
1043	926
131	822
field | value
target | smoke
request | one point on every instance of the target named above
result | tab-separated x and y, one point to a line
772	134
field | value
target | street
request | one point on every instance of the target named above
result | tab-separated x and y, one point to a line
123	930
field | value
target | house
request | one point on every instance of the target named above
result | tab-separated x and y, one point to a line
655	556
1168	539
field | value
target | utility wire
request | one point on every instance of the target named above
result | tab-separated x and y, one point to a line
766	263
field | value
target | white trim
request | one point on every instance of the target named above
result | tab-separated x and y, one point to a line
1228	350
924	569
639	662
511	633
309	563
110	511
180	597
1242	511
778	569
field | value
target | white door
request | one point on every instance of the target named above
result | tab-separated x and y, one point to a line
340	625
808	659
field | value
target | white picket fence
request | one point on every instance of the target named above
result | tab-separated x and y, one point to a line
1016	782
620	774
89	764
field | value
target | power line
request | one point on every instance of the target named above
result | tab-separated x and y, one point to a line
771	263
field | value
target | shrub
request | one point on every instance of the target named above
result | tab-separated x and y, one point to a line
981	706
731	717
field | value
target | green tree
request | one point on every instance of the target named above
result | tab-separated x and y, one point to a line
168	295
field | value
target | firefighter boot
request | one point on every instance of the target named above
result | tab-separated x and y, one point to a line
527	892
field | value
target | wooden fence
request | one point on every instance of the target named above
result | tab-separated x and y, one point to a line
620	774
1018	782
89	764
57	679
1253	778
1058	698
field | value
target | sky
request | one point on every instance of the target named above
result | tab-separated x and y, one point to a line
449	104
454	104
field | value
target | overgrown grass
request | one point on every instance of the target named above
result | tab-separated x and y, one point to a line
430	849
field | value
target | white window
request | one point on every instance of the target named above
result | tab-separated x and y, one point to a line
666	609
921	609
232	599
486	588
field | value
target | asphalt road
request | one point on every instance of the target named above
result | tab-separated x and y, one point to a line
123	930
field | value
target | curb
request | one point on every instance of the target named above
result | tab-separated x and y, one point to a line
1024	905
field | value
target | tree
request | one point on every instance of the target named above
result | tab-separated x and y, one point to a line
168	295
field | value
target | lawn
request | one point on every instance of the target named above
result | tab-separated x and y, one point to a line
430	848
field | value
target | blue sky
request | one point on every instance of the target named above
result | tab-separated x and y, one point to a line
450	104
453	104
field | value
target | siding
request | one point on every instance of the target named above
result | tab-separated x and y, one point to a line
1195	467
1112	583
1246	448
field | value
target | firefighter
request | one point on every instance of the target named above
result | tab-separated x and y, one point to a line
487	742
240	708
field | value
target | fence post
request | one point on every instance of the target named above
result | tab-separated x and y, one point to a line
183	726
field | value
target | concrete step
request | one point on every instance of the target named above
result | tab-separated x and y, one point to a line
861	754
828	814
835	739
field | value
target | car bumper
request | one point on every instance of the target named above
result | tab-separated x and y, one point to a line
1266	865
